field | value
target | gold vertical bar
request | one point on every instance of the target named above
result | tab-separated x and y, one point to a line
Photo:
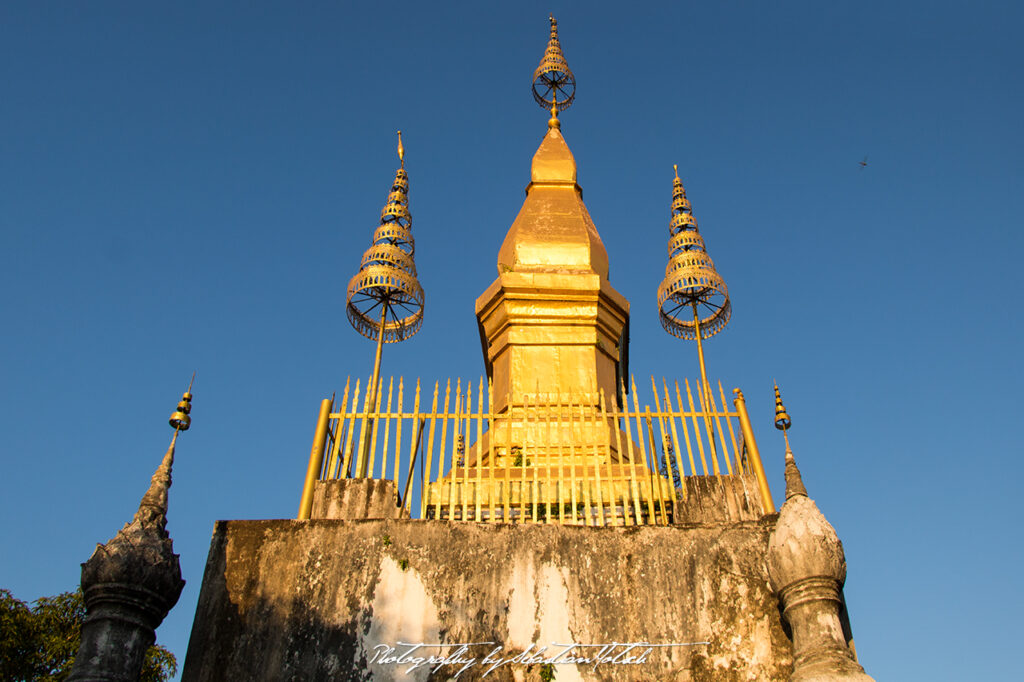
479	446
666	444
522	463
430	455
465	449
536	485
415	443
588	518
721	433
696	430
398	426
612	502
549	474
732	434
573	484
345	465
655	475
507	487
709	430
316	457
675	436
492	482
442	454
599	502
752	454
634	489
364	430
561	497
387	429
686	429
643	453
333	462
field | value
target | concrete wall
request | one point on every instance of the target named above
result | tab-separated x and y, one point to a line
310	600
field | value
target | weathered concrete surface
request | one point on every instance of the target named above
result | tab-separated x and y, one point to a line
355	498
310	600
720	499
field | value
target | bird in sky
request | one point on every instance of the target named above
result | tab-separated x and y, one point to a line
864	164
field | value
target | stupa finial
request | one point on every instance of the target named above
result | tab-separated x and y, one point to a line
794	481
152	511
385	299
693	301
554	85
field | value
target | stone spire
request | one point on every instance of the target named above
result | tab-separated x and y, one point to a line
132	582
807	569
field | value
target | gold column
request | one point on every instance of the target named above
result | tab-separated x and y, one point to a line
752	454
316	459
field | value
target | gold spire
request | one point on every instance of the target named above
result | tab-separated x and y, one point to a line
691	282
554	85
693	301
385	299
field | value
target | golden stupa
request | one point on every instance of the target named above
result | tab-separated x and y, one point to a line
555	432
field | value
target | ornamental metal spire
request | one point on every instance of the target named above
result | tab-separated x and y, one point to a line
554	86
693	301
385	299
794	482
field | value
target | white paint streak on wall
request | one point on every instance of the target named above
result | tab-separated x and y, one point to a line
522	605
553	617
402	612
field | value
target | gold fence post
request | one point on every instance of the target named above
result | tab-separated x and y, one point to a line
752	454
316	458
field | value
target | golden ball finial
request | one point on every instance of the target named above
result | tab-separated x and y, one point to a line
782	420
180	418
401	149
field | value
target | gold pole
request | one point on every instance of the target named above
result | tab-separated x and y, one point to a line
316	458
752	454
705	388
372	397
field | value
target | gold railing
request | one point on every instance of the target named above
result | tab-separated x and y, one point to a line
544	458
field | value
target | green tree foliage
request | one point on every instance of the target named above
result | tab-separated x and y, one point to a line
39	642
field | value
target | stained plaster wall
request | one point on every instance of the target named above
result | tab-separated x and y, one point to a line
310	600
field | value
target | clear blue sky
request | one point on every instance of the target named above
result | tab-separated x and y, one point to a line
190	186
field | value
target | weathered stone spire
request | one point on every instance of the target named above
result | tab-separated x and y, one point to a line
152	511
807	569
132	582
